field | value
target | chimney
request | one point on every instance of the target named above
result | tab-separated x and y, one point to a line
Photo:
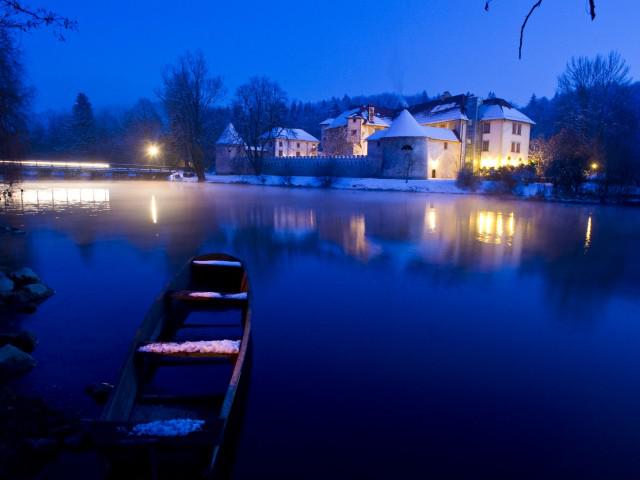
372	113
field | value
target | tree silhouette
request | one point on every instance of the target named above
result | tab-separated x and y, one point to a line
538	4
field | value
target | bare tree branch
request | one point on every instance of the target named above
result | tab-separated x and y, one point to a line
524	25
592	13
15	15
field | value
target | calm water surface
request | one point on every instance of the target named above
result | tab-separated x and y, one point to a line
411	335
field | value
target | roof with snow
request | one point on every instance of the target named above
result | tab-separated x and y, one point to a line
379	118
499	109
445	109
230	136
405	125
326	121
293	134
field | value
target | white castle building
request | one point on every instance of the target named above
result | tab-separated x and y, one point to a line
426	141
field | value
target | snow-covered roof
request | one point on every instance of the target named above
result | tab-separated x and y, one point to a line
439	117
376	136
499	111
444	134
405	125
444	109
230	136
341	120
293	134
327	121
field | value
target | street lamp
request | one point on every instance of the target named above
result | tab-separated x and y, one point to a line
153	150
594	166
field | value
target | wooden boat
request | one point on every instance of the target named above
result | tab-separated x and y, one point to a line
172	404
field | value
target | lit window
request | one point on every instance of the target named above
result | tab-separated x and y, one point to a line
517	129
485	146
486	128
433	173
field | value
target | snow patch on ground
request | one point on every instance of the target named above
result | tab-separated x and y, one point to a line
437	185
226	347
230	296
178	427
218	263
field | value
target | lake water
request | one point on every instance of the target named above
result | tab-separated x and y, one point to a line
395	335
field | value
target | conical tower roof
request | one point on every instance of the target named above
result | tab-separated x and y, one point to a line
405	126
230	136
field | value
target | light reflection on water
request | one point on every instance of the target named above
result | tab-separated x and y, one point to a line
460	326
57	199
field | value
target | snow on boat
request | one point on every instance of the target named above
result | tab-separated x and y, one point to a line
173	401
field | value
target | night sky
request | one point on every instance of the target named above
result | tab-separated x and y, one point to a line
327	48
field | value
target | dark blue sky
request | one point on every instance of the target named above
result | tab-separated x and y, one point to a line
320	49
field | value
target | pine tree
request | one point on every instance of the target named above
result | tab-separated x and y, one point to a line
83	128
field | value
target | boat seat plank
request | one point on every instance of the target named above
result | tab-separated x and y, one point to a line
209	298
212	398
155	360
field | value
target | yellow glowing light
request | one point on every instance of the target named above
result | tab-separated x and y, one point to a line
154	209
511	225
153	150
431	218
493	227
594	166
587	237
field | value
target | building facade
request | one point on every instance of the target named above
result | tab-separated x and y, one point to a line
347	133
412	151
292	142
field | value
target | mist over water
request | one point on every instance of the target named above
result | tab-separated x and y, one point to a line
456	336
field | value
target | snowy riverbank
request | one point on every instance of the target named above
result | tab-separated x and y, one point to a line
371	184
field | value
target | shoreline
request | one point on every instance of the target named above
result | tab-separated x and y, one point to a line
538	191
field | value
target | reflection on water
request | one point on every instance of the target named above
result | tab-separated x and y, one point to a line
492	227
57	199
293	220
485	315
154	209
587	236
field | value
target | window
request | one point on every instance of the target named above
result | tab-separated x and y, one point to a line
297	154
446	145
354	132
280	153
407	148
298	145
486	128
433	173
280	143
515	147
377	144
517	129
485	146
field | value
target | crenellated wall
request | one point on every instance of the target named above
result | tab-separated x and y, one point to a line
414	158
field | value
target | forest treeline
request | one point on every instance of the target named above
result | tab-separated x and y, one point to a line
591	123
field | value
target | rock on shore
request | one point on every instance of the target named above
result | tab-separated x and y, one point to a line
22	290
14	361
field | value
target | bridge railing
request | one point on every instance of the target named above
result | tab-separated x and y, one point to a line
89	166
